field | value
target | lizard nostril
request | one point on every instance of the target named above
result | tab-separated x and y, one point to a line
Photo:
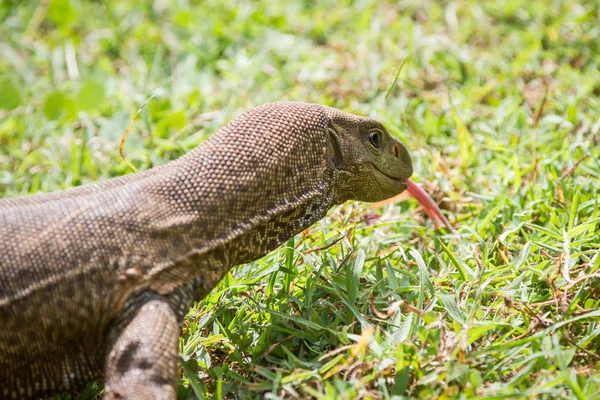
396	150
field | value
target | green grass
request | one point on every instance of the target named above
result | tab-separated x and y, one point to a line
498	103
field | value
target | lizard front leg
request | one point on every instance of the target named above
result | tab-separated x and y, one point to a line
142	350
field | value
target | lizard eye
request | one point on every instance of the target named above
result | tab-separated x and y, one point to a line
375	138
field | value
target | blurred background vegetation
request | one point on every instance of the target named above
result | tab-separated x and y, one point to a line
498	103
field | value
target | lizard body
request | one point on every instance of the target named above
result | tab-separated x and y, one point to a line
96	280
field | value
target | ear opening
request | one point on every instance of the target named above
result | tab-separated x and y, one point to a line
335	147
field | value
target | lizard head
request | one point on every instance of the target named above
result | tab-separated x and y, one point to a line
369	163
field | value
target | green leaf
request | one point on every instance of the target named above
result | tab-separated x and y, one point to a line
170	124
465	141
545	230
477	331
485	222
392	279
574	207
465	272
91	95
197	385
517	173
354	272
423	270
10	96
401	382
61	12
53	105
582	228
451	307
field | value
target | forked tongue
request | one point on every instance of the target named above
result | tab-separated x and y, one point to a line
430	206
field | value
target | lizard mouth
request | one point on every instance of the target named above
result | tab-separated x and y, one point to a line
401	180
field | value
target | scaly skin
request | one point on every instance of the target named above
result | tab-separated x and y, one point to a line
96	280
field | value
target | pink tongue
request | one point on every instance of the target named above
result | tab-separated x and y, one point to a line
430	207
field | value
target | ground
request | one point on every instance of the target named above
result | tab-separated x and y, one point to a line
498	104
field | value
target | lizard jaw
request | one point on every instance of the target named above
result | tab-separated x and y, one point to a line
394	178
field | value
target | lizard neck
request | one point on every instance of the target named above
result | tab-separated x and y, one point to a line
239	217
252	185
218	232
215	215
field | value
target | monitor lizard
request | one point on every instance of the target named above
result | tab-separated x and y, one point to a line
95	281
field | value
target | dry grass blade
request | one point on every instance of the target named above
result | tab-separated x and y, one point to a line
124	138
540	111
